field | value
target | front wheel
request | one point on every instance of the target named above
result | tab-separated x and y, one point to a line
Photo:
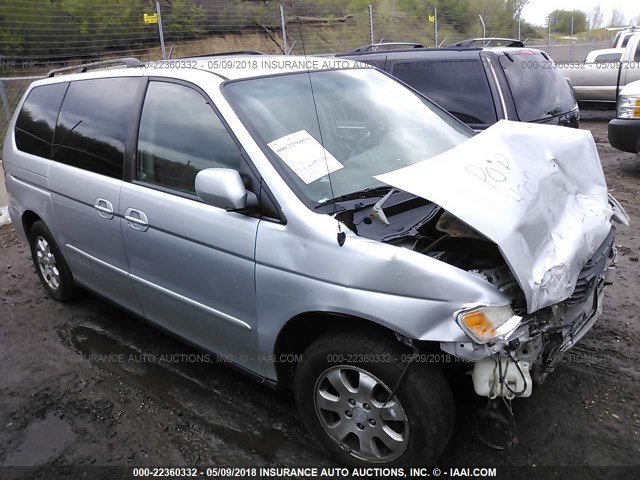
344	389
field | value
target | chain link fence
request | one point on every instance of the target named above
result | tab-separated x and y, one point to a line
150	30
572	52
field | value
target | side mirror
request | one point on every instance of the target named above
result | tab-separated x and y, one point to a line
223	188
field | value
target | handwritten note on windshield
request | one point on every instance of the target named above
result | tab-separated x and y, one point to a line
305	156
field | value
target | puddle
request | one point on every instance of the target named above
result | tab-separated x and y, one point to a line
225	415
43	441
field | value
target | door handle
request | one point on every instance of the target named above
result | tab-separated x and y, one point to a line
136	219
104	207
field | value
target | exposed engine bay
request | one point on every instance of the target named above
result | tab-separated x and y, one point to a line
427	228
531	352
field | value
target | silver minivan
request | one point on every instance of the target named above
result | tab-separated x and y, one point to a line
320	226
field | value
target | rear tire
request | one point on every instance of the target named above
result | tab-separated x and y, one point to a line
50	264
341	388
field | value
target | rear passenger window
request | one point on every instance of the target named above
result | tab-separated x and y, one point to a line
459	86
93	124
180	134
37	119
608	58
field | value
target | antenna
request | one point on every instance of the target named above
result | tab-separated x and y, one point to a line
341	235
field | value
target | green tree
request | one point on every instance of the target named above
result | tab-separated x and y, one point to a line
183	19
26	27
103	25
516	7
560	21
497	17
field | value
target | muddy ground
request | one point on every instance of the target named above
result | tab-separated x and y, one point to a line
66	398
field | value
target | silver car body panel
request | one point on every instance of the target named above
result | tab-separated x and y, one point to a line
91	238
193	268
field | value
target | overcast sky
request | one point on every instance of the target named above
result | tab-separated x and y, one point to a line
537	10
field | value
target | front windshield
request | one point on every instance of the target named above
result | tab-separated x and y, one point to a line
362	124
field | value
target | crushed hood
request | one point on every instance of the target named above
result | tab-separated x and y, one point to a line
537	191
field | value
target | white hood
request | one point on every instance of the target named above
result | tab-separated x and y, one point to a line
537	191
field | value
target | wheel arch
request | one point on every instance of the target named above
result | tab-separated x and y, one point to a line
300	331
29	217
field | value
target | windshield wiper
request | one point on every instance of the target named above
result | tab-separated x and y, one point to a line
371	192
553	112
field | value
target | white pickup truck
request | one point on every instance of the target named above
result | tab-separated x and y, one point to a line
601	81
624	130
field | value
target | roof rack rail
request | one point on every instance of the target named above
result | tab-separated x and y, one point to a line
221	54
374	46
83	67
512	42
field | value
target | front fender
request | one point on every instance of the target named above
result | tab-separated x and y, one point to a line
402	290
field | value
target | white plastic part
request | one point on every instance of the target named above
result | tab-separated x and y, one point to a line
4	216
488	372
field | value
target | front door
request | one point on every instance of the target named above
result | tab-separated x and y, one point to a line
192	264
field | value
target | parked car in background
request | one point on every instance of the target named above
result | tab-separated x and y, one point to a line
605	55
601	81
624	130
622	37
481	85
323	228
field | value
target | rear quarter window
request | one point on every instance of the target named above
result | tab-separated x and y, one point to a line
459	86
538	90
36	121
93	124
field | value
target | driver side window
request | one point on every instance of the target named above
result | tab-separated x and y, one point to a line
180	134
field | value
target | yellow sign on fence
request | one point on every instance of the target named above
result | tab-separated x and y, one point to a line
432	18
150	17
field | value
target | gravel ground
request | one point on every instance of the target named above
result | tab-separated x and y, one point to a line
87	384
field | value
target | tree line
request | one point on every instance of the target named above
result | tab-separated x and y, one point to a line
68	28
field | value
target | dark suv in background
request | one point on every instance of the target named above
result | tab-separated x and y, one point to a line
480	85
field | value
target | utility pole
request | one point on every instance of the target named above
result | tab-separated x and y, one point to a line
484	28
518	27
435	23
371	23
283	24
161	31
571	41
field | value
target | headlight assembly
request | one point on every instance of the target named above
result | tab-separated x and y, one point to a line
488	323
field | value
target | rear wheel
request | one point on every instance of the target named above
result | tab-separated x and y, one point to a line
51	266
344	390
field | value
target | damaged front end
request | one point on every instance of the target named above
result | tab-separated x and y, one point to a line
533	219
509	347
507	365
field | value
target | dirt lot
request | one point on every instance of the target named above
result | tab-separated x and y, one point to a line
79	383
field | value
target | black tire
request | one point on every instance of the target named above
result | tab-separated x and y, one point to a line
65	289
424	397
